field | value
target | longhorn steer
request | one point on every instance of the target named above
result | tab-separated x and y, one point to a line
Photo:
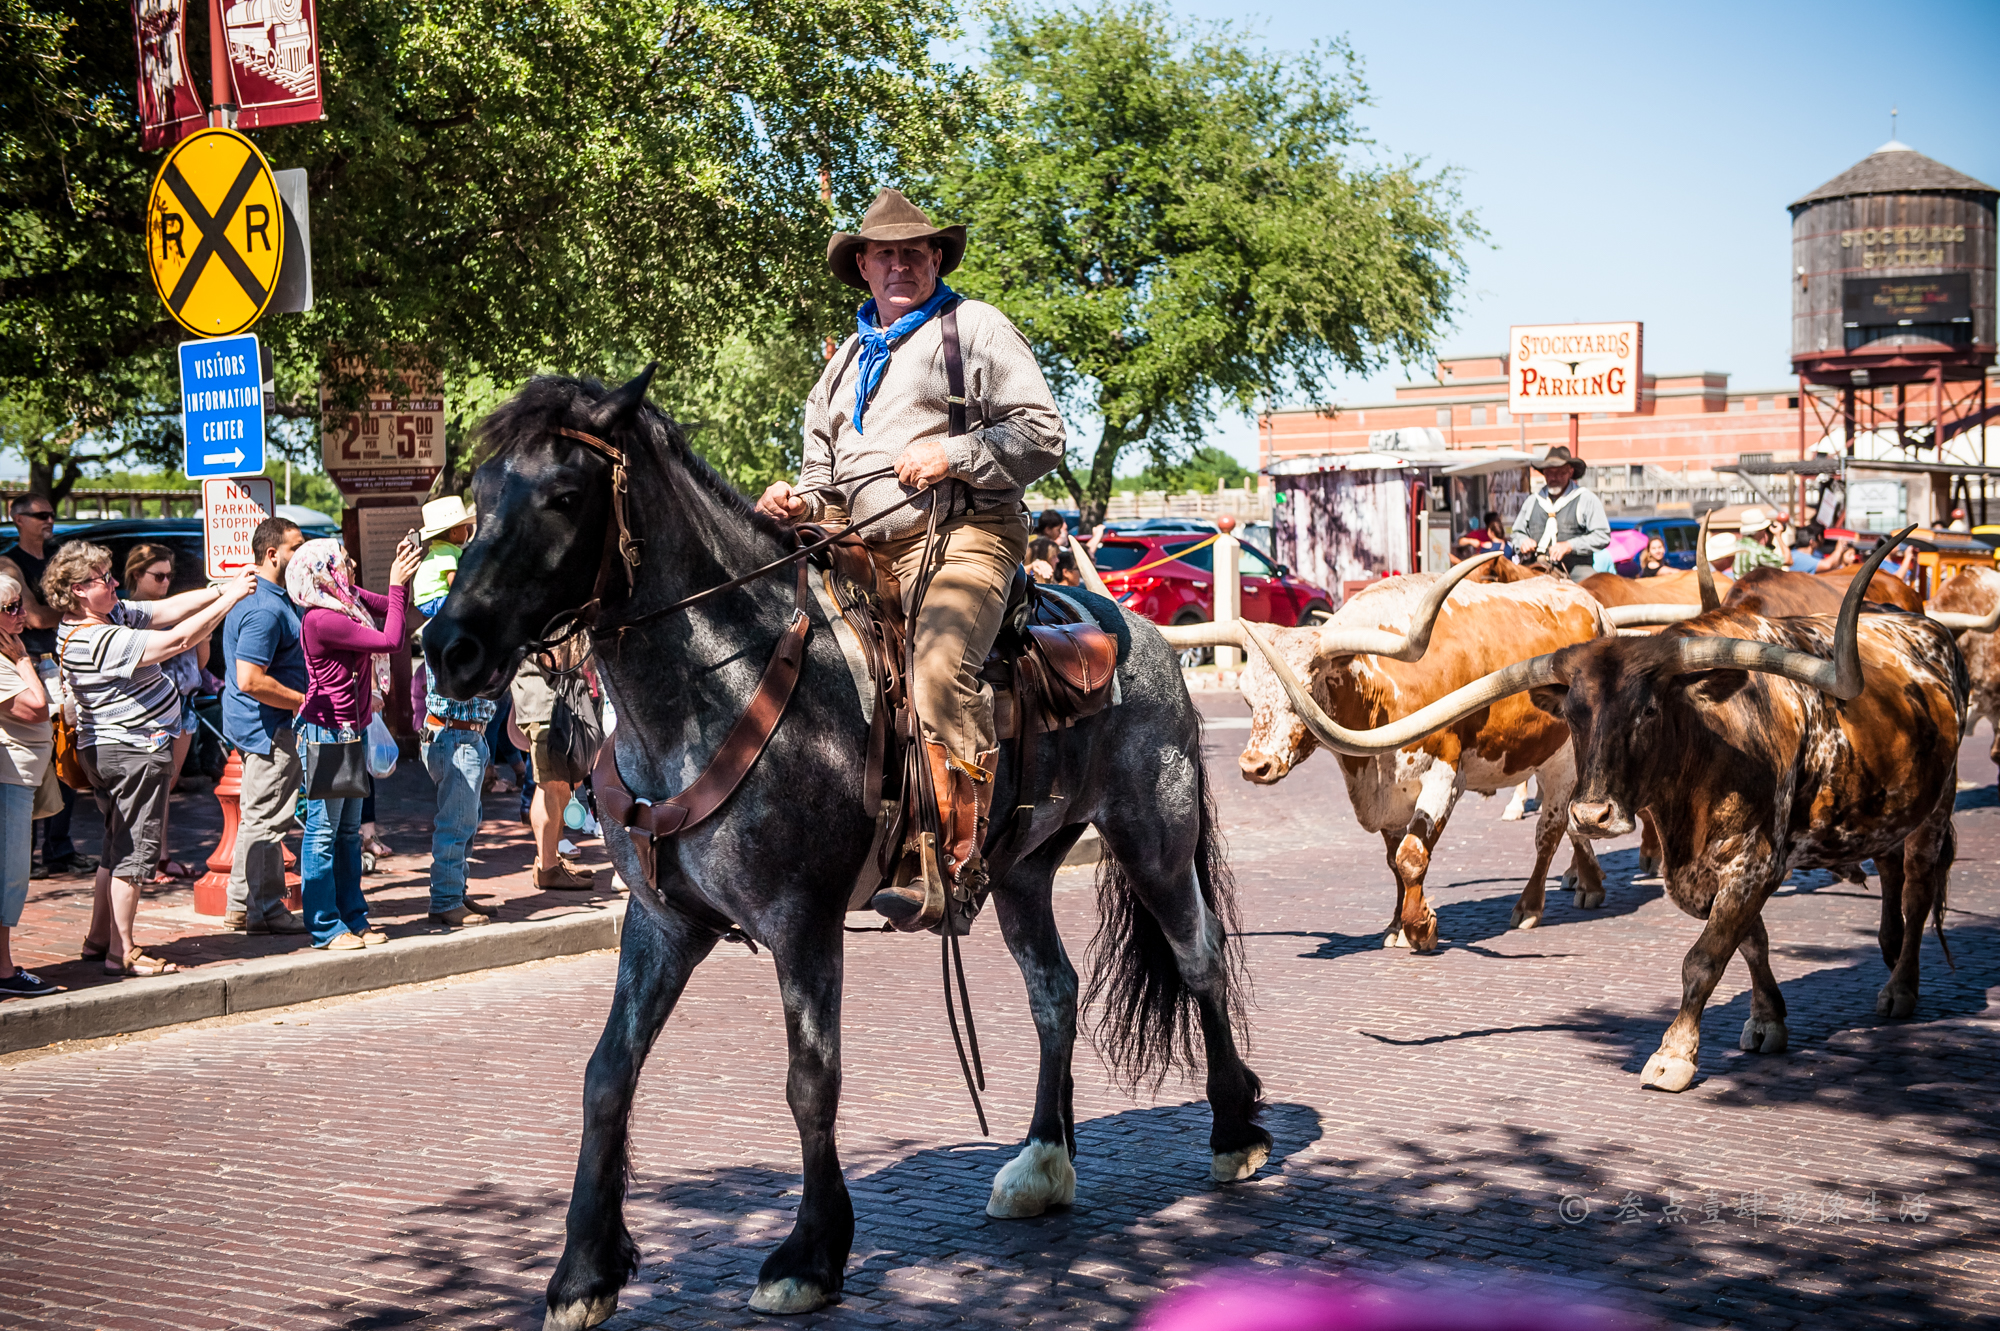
1757	746
1408	794
1976	592
1776	592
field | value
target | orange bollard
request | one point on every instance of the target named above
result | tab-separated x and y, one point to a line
211	890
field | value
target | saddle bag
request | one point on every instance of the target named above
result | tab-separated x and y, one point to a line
1075	663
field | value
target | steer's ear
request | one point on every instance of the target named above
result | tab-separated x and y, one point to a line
1712	688
1550	698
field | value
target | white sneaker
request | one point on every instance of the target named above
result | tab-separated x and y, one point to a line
565	847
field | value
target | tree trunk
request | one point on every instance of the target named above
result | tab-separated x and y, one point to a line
1096	495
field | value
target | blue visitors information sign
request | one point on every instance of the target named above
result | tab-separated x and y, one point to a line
222	407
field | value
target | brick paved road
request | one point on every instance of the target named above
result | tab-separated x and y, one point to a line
404	1159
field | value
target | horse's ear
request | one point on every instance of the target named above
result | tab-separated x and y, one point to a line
622	404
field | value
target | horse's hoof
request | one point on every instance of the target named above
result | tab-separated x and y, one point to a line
1231	1166
1588	898
1894	1002
781	1298
1039	1177
1667	1072
1764	1037
582	1314
1523	918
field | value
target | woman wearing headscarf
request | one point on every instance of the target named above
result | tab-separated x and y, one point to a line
347	668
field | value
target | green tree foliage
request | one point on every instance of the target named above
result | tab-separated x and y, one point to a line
1174	219
744	406
1199	471
497	188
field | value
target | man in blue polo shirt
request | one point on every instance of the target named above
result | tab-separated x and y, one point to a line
263	686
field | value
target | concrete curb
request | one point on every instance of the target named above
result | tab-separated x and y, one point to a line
298	977
307	974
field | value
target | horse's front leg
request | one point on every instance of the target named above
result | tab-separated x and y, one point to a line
807	1270
1042	1175
657	953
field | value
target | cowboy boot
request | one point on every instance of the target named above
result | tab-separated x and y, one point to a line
948	862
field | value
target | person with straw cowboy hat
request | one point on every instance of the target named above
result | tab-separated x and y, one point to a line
448	525
882	424
1562	520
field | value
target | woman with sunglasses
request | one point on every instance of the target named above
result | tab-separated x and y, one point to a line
127	713
25	742
149	576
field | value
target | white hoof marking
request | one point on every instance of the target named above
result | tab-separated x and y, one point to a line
1524	918
787	1296
1039	1177
580	1315
1667	1072
1231	1166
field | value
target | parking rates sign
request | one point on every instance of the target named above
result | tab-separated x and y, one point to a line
222	407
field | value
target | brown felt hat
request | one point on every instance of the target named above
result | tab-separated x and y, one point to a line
891	217
1560	456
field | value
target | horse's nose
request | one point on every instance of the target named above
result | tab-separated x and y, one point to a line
1262	768
461	659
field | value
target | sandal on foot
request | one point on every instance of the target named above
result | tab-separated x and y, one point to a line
138	963
90	951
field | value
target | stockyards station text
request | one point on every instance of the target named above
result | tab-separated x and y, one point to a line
1739	1206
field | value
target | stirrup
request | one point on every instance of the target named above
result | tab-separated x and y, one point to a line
916	902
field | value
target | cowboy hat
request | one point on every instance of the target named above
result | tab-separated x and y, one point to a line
1560	456
891	217
441	515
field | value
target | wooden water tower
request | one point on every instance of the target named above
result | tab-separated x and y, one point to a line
1893	302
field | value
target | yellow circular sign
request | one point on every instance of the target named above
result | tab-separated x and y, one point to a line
215	233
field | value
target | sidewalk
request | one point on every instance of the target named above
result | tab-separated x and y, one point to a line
225	971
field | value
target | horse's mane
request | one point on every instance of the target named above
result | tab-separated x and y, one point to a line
546	401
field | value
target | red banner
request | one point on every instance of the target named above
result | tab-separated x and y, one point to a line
169	107
274	61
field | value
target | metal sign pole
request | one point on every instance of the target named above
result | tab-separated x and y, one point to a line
221	92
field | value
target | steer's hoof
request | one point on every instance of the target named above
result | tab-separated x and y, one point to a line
1667	1072
790	1295
1395	938
1764	1037
1039	1177
1588	898
582	1314
1895	1002
1231	1166
1523	918
1649	866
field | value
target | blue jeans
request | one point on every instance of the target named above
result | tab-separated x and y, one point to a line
456	760
17	832
331	863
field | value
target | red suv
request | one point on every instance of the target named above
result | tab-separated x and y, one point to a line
1168	576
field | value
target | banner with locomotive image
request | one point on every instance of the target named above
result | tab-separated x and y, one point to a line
274	61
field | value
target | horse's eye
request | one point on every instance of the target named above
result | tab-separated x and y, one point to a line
564	502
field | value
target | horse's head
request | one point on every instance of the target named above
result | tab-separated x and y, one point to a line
546	527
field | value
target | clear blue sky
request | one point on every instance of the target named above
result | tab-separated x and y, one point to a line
1634	162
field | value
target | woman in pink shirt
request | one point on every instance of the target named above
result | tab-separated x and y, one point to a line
347	668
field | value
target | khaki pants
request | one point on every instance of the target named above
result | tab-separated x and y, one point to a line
270	794
958	622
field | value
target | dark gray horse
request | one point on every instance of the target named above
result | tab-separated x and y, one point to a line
779	859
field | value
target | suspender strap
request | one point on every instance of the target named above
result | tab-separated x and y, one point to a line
954	371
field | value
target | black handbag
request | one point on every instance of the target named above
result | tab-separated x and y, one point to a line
575	731
336	769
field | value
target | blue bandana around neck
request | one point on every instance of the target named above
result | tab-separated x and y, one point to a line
875	344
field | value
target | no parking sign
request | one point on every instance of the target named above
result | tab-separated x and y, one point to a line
230	513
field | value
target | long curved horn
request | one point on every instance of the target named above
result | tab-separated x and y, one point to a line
1086	569
1410	644
1405	730
1628	616
1840	677
1203	635
1704	575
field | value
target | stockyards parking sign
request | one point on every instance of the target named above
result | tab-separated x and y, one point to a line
1573	368
393	441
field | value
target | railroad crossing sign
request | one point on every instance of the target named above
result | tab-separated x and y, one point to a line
222	407
215	233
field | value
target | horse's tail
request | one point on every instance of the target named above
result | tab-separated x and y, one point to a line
1147	1021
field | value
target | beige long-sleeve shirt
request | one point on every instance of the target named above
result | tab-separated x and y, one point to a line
1015	433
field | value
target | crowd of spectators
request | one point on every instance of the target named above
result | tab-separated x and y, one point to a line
98	693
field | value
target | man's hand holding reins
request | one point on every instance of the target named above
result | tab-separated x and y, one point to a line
922	465
781	503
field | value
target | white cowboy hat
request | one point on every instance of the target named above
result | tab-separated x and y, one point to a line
441	515
1752	519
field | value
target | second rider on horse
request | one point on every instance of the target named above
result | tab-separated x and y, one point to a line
885	401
